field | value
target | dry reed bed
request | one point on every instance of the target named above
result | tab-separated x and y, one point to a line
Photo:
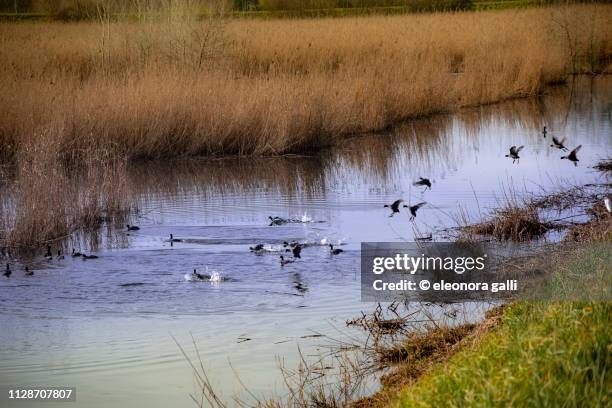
182	87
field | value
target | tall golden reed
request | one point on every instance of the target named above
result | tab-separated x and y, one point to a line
172	87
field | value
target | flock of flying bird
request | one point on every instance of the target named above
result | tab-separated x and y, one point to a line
559	144
295	248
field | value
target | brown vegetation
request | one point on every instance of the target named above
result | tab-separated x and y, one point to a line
512	222
170	85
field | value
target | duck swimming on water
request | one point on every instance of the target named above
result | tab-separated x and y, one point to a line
514	151
172	239
572	156
48	254
276	220
257	248
85	256
28	272
336	251
76	254
284	261
297	250
132	227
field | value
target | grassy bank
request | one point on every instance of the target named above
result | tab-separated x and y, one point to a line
175	86
529	353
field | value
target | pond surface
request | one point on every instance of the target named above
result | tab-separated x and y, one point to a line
106	325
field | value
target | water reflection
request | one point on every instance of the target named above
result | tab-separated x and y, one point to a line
105	323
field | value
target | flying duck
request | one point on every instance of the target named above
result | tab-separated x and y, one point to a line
336	251
514	151
414	208
423	182
284	261
572	156
558	143
394	207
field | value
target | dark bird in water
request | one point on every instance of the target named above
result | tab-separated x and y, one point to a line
277	220
132	227
544	131
572	156
423	182
48	254
558	143
85	256
199	276
257	248
297	250
76	254
172	239
414	208
284	261
28	272
7	272
336	251
290	244
514	153
394	207
59	255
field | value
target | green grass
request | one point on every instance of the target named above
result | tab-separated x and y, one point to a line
542	354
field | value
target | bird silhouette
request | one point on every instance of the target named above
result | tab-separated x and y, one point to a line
336	251
558	143
414	208
7	272
297	250
394	207
572	156
423	182
514	151
284	261
544	131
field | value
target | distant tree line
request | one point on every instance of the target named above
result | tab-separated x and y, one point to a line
84	9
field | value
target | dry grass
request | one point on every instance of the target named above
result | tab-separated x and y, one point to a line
512	222
174	86
597	228
46	200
